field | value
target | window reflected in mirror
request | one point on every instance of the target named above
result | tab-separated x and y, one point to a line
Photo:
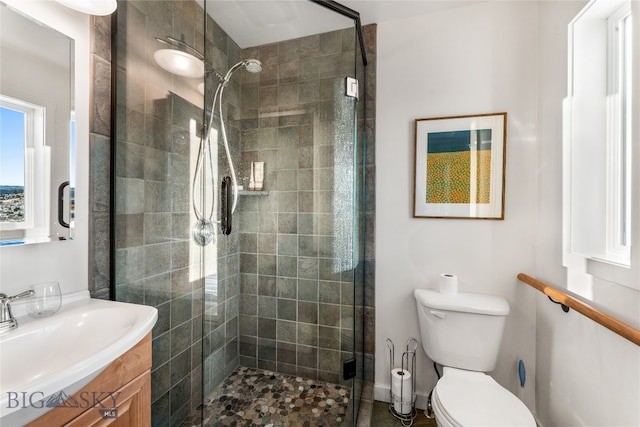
12	149
36	130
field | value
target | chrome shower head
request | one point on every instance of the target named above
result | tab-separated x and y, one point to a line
253	65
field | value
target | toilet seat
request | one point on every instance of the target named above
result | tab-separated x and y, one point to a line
468	398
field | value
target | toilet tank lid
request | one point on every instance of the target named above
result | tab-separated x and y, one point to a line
463	302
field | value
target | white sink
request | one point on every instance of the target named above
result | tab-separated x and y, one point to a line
64	352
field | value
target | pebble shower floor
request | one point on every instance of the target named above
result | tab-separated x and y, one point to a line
253	397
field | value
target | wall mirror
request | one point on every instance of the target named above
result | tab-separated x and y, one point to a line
37	131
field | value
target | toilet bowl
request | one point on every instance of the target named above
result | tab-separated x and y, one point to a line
462	332
467	398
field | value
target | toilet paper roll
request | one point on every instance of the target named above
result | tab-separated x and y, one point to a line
448	284
401	391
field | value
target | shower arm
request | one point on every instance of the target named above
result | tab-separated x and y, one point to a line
181	45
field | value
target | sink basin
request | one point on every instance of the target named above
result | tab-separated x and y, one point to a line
64	352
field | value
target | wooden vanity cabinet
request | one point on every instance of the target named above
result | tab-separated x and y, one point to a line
120	396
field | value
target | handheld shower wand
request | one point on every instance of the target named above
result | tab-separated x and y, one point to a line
203	231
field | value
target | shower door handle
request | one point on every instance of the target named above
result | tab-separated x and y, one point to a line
61	220
226	195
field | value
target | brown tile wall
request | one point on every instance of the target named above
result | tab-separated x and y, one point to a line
368	300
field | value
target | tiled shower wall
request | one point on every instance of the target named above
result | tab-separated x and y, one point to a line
100	156
366	302
296	242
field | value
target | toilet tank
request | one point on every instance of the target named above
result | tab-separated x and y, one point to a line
462	330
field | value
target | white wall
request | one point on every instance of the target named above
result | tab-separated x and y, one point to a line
469	60
586	375
498	56
65	262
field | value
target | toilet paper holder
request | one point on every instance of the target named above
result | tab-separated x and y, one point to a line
402	383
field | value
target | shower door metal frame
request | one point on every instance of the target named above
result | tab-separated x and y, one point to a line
349	13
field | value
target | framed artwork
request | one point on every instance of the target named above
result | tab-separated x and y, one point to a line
459	167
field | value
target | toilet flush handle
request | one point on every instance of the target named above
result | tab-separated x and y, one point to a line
438	314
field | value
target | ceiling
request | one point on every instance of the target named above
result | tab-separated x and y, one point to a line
258	22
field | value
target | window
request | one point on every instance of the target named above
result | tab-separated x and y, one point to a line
619	141
598	144
23	163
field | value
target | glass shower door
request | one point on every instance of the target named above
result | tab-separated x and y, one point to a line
158	123
294	242
281	299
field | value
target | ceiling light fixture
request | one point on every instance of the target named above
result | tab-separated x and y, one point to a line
91	7
181	59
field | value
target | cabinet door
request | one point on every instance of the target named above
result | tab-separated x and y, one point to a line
133	407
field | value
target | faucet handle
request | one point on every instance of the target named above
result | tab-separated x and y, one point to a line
21	295
7	321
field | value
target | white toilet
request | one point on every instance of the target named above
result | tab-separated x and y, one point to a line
462	332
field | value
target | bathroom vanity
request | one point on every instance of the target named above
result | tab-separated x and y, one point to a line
88	364
119	396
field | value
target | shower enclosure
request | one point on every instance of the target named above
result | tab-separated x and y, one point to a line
276	285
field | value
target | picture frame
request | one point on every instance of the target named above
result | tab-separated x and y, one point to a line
460	166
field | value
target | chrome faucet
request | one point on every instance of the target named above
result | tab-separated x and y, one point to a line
7	321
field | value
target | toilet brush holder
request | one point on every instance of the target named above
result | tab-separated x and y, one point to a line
402	396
